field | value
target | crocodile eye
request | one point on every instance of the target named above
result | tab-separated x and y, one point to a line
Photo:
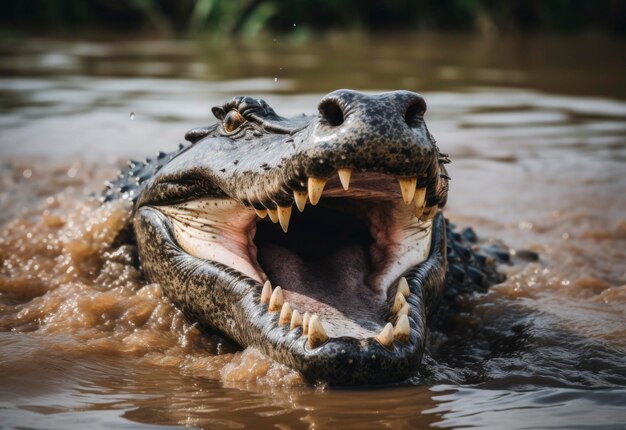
233	120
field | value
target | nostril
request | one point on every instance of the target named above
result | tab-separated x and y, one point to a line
331	112
415	113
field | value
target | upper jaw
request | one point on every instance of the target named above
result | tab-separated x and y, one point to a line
297	164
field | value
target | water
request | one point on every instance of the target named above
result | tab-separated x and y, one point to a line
536	129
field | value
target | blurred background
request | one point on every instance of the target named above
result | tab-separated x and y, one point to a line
252	17
168	62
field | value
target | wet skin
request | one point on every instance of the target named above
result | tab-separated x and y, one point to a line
363	265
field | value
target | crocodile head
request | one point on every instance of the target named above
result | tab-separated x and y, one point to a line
316	239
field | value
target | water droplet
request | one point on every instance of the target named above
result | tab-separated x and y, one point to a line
525	225
132	116
275	79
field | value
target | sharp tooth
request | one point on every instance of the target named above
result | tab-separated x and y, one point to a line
285	314
273	213
300	198
317	334
402	330
284	214
418	212
262	213
405	310
305	323
385	337
420	198
276	300
433	212
266	293
403	287
429	213
316	187
344	177
296	320
407	186
398	302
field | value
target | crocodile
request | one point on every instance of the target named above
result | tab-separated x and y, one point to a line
318	239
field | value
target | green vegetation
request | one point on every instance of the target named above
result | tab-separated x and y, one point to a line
182	18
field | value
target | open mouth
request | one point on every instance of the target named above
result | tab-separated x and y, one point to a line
332	269
317	239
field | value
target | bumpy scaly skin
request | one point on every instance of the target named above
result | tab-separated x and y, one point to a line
472	265
259	165
131	181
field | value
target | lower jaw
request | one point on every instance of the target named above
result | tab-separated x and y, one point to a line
221	298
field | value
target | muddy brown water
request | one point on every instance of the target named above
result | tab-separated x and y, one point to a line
536	129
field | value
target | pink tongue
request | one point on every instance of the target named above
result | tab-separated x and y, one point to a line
332	286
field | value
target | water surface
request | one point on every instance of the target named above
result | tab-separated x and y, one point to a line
536	129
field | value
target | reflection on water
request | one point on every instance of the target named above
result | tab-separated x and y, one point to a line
537	134
537	409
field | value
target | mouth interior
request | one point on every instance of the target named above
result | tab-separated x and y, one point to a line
326	265
341	259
